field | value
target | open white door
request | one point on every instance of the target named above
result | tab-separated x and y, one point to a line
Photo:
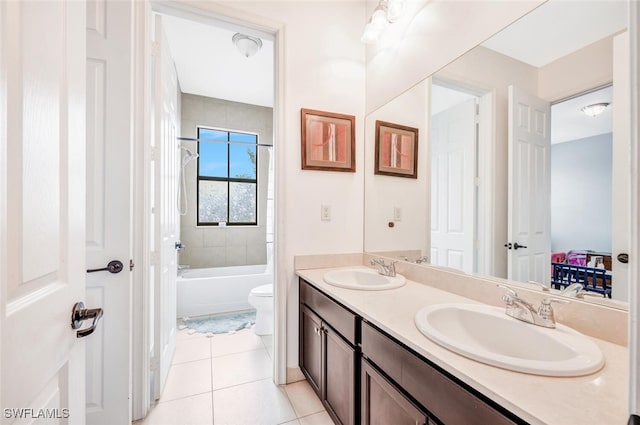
165	219
42	211
453	137
109	186
621	172
529	229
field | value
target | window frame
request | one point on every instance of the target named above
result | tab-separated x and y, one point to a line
227	179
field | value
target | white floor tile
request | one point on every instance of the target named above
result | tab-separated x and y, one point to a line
294	422
244	340
195	410
303	399
240	368
260	402
187	379
321	418
192	349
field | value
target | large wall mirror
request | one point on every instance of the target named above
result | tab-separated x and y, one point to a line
513	172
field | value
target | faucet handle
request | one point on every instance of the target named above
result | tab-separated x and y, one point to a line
509	295
545	311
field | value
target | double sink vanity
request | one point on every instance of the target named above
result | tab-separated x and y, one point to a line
381	348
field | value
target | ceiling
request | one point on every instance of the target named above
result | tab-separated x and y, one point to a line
208	63
569	123
562	27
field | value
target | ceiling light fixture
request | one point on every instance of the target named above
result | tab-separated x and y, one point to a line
246	44
595	109
387	12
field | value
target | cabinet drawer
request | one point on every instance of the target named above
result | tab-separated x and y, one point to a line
335	315
444	398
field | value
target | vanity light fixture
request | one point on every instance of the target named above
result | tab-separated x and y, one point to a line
387	12
595	109
246	44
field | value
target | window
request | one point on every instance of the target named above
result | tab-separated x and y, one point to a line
227	177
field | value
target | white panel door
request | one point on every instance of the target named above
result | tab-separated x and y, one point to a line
529	243
621	172
109	221
452	186
166	219
42	217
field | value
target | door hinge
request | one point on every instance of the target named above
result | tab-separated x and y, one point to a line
476	181
152	153
154	364
154	258
155	49
131	265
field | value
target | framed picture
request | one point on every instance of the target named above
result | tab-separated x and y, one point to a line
396	150
328	141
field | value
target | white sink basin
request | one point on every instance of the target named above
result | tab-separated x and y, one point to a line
363	279
486	334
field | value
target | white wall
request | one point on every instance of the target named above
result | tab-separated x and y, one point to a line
581	194
386	192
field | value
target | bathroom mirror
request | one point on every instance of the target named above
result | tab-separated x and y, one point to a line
557	53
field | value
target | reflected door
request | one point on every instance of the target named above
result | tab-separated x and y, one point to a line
452	187
529	228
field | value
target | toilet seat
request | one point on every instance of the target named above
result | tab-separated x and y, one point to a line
263	290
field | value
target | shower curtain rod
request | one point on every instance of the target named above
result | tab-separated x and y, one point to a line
189	139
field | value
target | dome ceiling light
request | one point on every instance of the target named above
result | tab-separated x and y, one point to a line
246	45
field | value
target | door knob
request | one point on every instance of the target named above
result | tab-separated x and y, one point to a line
79	314
623	258
114	266
517	245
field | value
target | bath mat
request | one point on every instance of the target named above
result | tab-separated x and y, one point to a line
222	323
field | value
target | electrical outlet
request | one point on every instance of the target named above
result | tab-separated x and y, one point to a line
397	213
325	212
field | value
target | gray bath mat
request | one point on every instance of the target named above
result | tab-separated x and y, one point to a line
222	323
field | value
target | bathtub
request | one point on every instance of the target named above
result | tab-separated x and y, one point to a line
218	289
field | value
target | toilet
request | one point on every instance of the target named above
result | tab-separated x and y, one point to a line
261	298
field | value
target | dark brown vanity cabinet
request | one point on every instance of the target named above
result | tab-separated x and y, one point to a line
363	375
383	403
328	353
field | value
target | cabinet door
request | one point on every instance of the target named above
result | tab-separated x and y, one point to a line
339	384
311	348
383	404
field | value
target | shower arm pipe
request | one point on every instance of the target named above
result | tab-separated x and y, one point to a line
189	139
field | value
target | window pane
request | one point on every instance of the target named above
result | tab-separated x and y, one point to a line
243	161
243	137
212	161
242	202
212	201
206	133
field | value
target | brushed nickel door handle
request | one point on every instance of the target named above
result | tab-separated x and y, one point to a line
79	314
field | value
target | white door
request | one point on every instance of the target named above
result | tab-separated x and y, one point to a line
109	221
529	238
165	217
42	218
452	188
621	172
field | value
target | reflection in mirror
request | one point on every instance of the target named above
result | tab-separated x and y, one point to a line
518	176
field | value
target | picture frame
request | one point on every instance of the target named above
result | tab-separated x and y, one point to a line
328	141
396	152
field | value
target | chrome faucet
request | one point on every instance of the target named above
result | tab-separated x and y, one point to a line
572	290
520	309
383	268
422	259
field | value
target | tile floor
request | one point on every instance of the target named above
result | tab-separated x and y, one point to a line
226	380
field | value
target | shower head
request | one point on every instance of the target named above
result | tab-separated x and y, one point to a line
188	156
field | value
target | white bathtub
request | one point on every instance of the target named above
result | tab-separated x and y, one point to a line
219	289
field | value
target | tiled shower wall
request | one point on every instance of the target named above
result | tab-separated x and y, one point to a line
212	246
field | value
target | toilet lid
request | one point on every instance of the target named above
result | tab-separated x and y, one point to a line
263	290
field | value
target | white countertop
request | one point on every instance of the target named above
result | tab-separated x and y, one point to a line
599	398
